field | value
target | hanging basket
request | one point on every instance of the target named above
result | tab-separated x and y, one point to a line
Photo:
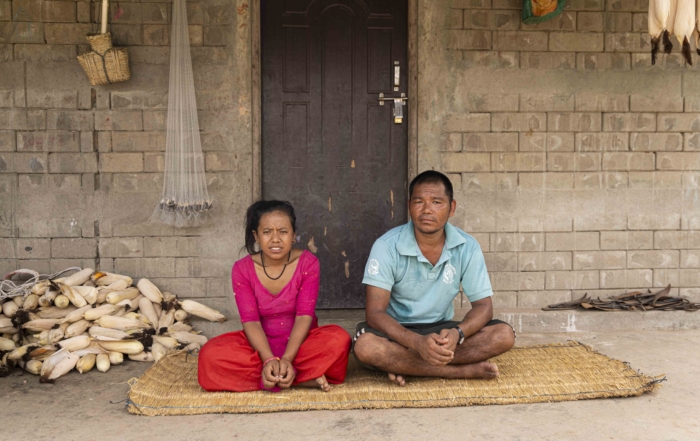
100	43
112	67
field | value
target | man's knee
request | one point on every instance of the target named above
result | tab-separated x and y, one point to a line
503	336
365	347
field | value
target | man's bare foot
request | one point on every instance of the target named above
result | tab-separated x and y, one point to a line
398	379
320	383
484	369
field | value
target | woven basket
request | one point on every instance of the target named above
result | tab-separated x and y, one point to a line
100	43
109	68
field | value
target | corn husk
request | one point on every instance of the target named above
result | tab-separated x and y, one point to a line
86	363
157	308
19	301
51	362
203	311
31	302
76	315
120	323
39	325
43	352
150	291
89	293
64	366
104	278
187	338
130	347
166	319
166	342
40	287
75	343
8	330
141	356
169	297
49	297
57	334
102	362
114	334
77	328
9	309
76	299
79	277
117	296
115	357
61	301
181	315
18	353
146	308
53	312
33	367
5	322
7	345
96	313
158	351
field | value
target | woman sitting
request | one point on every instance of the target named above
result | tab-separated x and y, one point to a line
276	288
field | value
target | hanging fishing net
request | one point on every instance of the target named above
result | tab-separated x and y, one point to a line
185	201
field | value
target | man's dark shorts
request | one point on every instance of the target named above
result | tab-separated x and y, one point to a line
418	328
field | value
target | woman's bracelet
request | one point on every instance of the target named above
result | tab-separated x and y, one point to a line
269	360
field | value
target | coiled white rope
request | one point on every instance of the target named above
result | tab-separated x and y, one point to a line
9	289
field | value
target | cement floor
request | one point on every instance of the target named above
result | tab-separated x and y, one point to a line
78	407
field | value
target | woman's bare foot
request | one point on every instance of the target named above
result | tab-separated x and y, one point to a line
398	379
320	383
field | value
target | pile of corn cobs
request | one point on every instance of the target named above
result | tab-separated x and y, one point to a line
92	319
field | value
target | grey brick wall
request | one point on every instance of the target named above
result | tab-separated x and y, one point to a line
575	160
81	166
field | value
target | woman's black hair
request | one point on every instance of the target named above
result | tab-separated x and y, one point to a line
256	211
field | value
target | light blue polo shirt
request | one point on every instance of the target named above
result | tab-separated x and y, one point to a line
421	292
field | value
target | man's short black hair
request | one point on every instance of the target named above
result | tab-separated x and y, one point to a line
432	177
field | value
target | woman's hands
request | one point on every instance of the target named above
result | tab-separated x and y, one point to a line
278	373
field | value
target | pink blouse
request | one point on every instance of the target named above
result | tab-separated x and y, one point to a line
277	312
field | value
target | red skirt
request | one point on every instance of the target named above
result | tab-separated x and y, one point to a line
229	363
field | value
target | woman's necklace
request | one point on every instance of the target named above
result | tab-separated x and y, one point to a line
262	260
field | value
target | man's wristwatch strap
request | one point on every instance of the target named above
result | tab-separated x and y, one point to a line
461	335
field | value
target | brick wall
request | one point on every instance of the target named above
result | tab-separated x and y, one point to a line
81	166
577	163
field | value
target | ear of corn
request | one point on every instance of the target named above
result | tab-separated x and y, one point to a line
75	343
115	357
33	367
86	363
181	315
19	301
96	313
187	338
76	315
53	312
39	325
61	301
146	308
77	328
89	293
79	278
40	287
8	330
141	356
117	296
121	323
51	362
75	298
31	302
203	311
115	334
10	309
5	322
102	361
169	297
55	335
166	342
130	347
193	347
109	278
150	291
7	345
158	351
64	366
43	352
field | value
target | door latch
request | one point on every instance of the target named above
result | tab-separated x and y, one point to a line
399	103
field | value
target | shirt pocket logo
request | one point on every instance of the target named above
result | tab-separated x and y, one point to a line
373	267
449	274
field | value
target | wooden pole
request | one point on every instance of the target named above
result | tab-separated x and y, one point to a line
105	12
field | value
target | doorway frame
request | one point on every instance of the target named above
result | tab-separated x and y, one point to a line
256	94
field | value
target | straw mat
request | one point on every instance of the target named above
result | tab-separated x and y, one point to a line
533	374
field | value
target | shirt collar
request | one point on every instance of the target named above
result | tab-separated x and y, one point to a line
407	245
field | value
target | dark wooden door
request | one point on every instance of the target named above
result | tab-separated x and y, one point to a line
328	146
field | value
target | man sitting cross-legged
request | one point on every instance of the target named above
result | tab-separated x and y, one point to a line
412	275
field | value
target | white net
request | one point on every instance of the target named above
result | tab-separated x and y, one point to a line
185	201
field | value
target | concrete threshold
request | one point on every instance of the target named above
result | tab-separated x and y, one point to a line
537	321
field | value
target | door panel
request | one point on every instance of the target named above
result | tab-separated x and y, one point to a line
328	146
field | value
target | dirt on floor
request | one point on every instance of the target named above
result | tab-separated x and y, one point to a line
91	406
